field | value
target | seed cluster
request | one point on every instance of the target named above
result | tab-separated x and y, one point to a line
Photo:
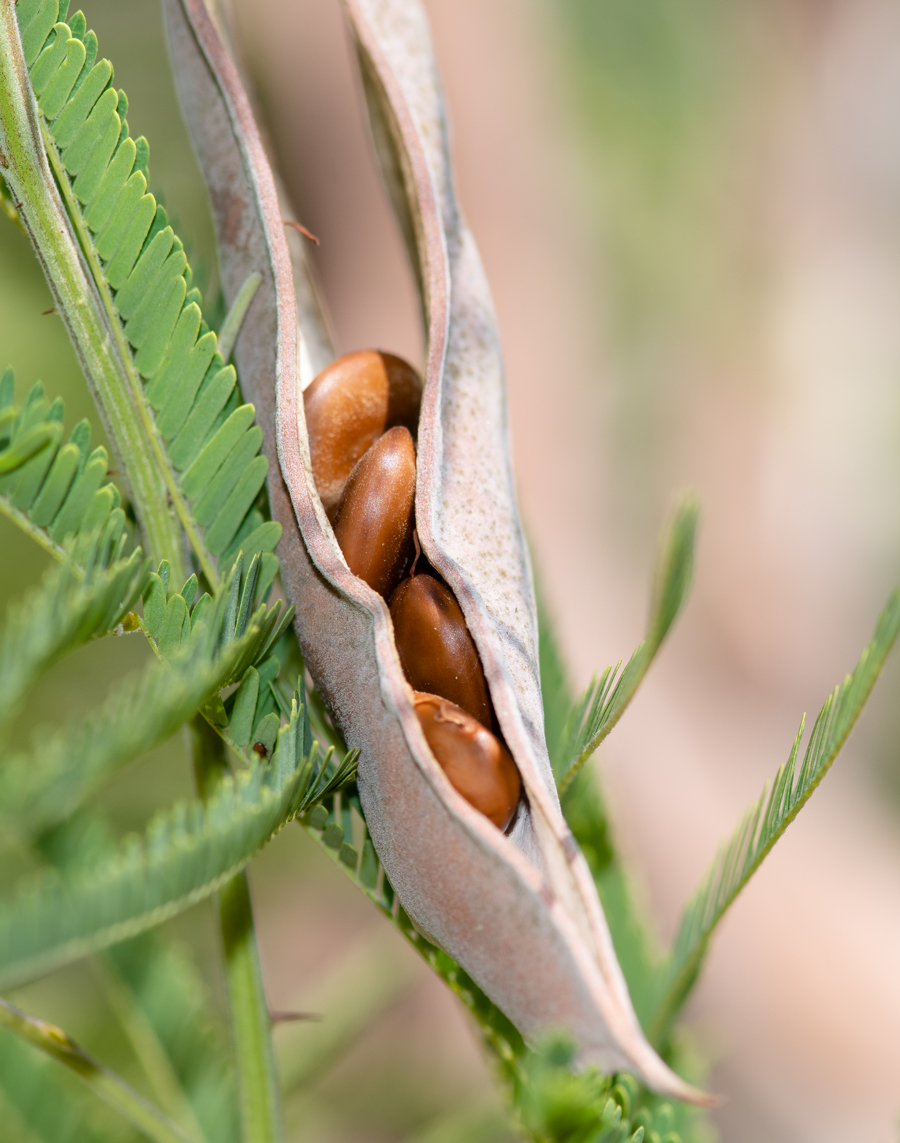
361	414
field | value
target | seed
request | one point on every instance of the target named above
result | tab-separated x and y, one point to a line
348	406
477	764
435	647
375	520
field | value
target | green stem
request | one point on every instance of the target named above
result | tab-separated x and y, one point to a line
148	1119
251	1026
24	167
145	1044
39	535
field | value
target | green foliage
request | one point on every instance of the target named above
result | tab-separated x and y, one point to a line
170	1008
603	703
223	641
204	440
558	1105
149	1120
768	818
184	855
75	604
162	1004
38	1102
54	491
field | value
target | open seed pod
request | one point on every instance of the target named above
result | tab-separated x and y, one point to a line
519	911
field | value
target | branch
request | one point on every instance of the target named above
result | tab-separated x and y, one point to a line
149	1120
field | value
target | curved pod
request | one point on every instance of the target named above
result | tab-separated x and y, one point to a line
519	912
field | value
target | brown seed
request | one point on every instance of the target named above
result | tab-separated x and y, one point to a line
477	764
375	521
348	406
435	647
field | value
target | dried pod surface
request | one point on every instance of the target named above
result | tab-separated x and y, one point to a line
435	647
348	406
519	911
476	763
375	518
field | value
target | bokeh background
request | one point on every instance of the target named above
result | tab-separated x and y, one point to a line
690	217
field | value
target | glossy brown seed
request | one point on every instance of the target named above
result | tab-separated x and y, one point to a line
375	520
435	647
477	764
348	406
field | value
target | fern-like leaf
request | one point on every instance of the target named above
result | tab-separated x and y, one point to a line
41	789
768	818
177	621
205	443
172	1004
58	493
555	1103
603	703
185	855
160	1001
69	609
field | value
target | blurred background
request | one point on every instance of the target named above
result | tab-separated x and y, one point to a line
690	218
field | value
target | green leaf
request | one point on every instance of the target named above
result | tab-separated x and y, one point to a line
556	690
603	703
62	614
768	818
184	855
41	789
557	1103
70	264
161	1003
30	481
172	1005
30	442
39	1102
105	1084
165	380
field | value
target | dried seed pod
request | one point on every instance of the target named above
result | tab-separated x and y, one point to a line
435	647
519	911
375	519
348	406
477	764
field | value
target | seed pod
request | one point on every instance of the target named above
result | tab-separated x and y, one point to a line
348	406
435	647
375	519
518	911
476	763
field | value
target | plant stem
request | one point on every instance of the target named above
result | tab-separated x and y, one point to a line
145	1044
148	1119
39	535
25	169
251	1026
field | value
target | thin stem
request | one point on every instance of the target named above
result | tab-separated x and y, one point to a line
145	1044
149	1120
24	166
37	534
251	1026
